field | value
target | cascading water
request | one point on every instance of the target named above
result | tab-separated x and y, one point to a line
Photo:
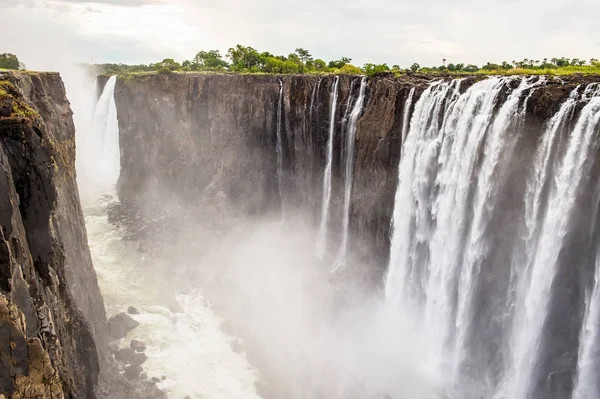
99	152
322	235
406	115
348	170
279	148
456	158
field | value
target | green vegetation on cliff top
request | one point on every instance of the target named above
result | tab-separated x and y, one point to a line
247	60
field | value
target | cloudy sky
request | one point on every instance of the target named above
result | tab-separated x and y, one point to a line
44	32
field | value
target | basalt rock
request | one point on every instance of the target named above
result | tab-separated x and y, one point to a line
52	321
120	324
209	135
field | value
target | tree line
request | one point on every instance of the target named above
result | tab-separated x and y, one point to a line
245	59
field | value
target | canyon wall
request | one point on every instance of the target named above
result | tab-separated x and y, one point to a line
52	317
198	134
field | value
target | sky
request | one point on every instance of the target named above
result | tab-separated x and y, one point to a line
46	32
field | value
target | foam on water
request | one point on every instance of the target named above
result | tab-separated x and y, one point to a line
184	338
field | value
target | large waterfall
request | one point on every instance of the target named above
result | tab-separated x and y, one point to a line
483	226
492	286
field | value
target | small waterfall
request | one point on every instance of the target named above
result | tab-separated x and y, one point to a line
322	235
349	169
100	154
406	115
279	149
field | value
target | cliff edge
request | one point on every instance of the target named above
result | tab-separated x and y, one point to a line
51	310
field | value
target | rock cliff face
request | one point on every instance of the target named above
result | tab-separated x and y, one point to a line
51	310
195	134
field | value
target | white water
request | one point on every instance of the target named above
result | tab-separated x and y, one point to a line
98	151
322	235
183	335
406	115
279	149
349	170
456	153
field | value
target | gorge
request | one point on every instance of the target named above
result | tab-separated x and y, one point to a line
311	235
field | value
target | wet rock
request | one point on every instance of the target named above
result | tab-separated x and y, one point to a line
128	356
137	345
120	325
133	372
113	347
155	379
132	310
124	381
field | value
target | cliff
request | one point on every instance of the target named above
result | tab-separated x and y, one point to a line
51	310
192	134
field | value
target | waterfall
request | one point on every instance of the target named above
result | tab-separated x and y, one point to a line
348	170
406	115
456	156
322	235
279	148
99	165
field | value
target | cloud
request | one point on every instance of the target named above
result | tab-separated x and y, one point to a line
365	30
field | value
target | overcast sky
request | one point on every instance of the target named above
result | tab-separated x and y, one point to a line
43	32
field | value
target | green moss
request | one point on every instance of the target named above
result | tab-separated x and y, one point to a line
20	108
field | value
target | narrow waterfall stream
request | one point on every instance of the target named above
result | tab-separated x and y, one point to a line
349	170
325	202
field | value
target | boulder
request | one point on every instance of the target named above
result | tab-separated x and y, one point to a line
133	372
128	356
120	324
132	310
137	345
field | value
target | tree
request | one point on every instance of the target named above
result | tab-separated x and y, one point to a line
244	58
340	63
415	67
304	55
167	63
9	61
320	65
372	69
349	69
210	59
471	68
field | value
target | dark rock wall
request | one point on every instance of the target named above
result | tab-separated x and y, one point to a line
197	134
51	309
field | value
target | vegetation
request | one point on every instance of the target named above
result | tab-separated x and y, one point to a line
9	61
20	109
242	59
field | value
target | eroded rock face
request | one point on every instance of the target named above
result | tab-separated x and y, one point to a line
51	309
198	135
